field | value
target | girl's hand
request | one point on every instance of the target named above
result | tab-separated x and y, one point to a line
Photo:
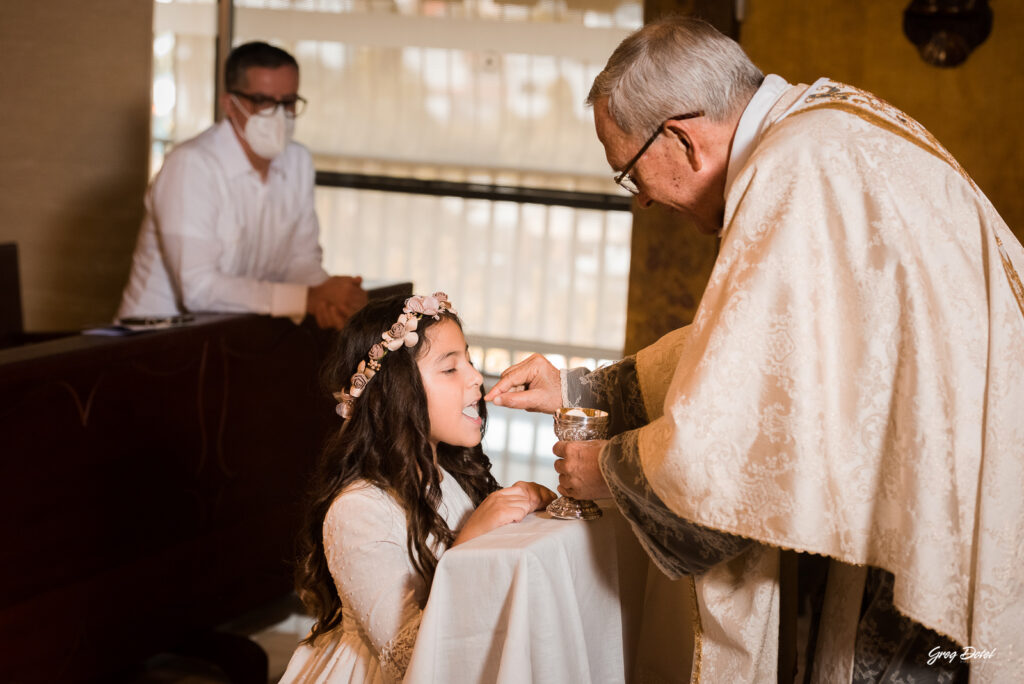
504	506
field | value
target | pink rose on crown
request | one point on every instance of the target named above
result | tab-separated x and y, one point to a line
430	306
444	304
413	305
344	409
377	351
397	331
358	383
402	332
345	404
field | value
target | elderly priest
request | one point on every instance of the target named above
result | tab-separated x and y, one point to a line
851	388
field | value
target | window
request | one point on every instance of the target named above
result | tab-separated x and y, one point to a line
184	66
454	150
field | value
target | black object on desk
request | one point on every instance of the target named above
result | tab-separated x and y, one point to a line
10	296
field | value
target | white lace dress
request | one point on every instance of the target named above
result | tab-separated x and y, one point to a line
382	596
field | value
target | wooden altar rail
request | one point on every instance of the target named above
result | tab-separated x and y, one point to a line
150	487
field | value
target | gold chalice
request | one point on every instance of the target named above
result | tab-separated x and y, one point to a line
578	425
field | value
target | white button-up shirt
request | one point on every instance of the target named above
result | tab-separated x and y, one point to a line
217	237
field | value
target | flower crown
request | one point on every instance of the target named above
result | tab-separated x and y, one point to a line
402	333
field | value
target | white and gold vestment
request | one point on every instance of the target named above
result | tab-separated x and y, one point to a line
852	386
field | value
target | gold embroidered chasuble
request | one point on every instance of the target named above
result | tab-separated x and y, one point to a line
852	386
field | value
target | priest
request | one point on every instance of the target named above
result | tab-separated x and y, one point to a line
851	388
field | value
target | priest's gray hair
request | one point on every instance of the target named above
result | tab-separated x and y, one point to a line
674	66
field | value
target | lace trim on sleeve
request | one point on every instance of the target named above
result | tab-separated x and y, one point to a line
396	654
677	546
572	389
615	389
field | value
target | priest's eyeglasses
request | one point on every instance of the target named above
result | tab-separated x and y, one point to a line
267	106
627	181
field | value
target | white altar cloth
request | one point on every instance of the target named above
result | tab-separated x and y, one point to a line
546	600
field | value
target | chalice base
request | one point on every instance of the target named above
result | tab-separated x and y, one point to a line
568	508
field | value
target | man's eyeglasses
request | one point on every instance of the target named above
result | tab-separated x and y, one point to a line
627	181
267	106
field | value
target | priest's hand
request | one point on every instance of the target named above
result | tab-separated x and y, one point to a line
532	384
579	474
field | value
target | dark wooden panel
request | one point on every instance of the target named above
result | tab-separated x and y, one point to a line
149	487
10	295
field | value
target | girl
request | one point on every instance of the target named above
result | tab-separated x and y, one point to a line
402	479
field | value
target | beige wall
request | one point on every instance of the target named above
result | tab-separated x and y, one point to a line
73	151
975	110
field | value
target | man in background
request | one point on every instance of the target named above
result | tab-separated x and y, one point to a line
230	221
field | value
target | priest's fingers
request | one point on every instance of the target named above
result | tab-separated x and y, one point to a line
579	451
535	401
517	374
539	382
563	487
569	486
579	469
580	489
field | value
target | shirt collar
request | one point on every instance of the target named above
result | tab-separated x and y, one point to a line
233	156
752	124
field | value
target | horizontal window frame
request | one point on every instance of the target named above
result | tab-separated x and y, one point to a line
485	191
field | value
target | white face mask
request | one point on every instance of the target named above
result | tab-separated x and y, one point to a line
268	135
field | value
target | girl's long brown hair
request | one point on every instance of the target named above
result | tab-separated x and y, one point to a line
385	442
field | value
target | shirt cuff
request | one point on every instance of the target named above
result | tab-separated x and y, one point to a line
289	299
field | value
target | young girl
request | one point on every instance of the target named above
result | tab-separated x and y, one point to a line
403	479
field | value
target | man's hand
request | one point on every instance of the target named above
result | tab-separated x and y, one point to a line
504	506
327	315
333	301
532	384
579	474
